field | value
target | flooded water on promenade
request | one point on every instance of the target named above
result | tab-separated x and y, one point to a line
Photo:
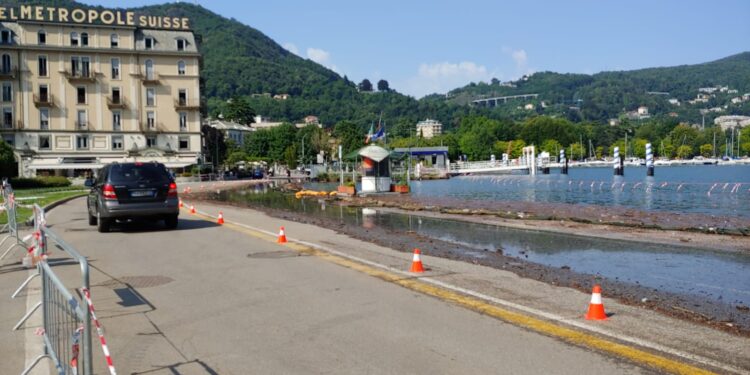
713	275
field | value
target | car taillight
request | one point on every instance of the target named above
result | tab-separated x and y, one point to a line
108	191
172	190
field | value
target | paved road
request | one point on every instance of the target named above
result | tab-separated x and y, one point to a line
206	299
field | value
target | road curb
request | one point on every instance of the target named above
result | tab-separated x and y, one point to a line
30	220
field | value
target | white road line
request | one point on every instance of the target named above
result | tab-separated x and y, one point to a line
530	310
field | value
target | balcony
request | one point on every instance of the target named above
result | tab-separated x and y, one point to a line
116	103
44	101
80	76
82	125
8	73
154	127
8	124
148	79
182	104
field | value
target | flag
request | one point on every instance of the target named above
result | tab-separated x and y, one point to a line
380	133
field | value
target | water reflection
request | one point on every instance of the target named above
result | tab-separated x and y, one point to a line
704	273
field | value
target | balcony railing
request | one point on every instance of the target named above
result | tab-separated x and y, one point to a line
187	104
149	79
115	102
80	76
8	72
9	124
82	125
44	100
157	127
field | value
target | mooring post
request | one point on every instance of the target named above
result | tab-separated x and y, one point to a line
618	162
563	162
649	160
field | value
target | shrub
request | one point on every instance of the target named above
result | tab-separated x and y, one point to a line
39	182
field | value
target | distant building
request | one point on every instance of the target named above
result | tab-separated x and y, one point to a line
429	128
260	122
312	120
614	122
674	101
673	114
281	96
529	107
231	130
708	90
642	111
728	122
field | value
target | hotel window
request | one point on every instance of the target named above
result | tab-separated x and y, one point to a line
6	66
80	66
181	44
114	40
181	68
149	65
8	118
5	37
184	143
74	39
151	120
116	121
150	97
42	61
41	37
116	95
7	92
85	39
182	97
115	68
44	143
44	118
82	122
44	94
183	121
81	94
149	42
117	142
82	142
150	141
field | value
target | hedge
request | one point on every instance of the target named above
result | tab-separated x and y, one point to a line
39	182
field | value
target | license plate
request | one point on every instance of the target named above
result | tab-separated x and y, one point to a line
141	193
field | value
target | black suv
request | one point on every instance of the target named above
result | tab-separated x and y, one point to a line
132	190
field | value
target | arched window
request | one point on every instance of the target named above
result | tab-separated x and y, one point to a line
84	39
41	37
149	69
74	39
114	40
181	68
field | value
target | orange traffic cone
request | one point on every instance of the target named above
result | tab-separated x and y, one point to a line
181	204
596	308
416	264
282	236
192	209
221	218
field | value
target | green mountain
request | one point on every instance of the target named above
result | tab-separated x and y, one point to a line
610	94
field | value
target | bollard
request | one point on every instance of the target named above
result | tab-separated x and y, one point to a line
563	162
618	163
649	160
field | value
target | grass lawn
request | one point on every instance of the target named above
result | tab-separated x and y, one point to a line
42	197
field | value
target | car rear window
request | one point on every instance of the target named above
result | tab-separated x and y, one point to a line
124	173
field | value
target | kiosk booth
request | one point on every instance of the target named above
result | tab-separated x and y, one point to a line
376	171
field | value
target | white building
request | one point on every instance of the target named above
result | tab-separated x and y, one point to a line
642	111
231	130
429	128
674	101
728	122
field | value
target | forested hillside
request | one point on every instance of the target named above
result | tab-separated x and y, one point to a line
606	95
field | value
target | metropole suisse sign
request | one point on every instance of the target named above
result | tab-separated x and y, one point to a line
40	13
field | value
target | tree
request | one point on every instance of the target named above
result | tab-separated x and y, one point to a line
365	85
216	147
350	136
599	152
639	148
258	143
684	151
282	137
383	86
576	152
707	150
238	110
235	157
552	146
7	160
290	156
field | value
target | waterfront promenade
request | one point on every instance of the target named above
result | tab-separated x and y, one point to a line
210	299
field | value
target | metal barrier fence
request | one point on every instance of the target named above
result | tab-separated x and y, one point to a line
66	329
9	207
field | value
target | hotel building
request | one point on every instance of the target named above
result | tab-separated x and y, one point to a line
78	95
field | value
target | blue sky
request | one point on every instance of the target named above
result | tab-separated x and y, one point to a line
421	46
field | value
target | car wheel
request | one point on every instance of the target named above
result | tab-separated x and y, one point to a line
92	218
102	223
171	221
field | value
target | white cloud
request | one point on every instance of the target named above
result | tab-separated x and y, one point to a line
318	55
521	59
444	76
291	47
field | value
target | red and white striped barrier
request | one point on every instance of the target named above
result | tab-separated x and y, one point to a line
99	332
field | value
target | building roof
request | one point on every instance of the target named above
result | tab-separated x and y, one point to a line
228	125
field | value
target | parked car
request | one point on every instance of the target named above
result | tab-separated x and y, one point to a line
125	191
257	174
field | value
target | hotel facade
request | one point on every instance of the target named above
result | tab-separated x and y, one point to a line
82	92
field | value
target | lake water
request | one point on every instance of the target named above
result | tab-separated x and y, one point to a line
707	189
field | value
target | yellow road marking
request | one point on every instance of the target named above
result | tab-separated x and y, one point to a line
541	326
